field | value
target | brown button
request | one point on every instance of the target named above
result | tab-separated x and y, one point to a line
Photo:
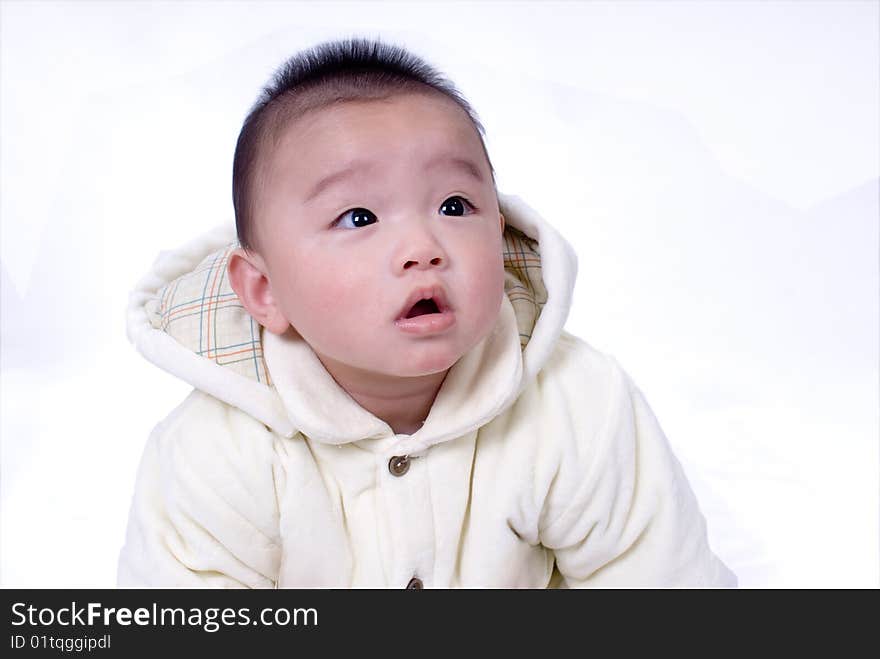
415	584
399	465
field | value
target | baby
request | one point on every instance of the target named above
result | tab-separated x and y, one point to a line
384	395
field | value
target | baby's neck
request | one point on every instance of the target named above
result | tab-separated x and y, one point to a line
402	403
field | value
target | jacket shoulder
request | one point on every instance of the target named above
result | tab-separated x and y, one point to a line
582	376
564	412
570	348
211	455
620	510
204	510
203	421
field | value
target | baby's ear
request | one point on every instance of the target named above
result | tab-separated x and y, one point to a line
247	275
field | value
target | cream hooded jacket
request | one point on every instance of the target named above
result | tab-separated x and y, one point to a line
540	463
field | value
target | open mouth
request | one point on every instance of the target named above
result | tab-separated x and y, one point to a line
422	307
424	301
426	312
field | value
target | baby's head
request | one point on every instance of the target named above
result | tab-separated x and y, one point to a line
361	184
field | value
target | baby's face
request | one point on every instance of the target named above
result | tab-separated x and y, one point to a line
410	210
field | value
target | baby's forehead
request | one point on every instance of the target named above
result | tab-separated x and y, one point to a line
420	114
324	144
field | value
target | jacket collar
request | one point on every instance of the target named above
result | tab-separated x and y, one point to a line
478	386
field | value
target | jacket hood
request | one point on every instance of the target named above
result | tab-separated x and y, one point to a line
184	317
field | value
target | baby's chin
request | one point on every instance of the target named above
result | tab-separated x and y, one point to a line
420	365
427	358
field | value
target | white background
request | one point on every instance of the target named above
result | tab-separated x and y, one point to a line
714	164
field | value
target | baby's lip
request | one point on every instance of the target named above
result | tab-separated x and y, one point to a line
434	292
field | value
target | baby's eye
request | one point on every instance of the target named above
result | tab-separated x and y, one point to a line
455	205
359	217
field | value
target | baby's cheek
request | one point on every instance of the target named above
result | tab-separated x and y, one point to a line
301	295
331	300
489	280
340	304
485	288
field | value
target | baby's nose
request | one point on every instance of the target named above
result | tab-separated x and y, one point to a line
421	251
423	262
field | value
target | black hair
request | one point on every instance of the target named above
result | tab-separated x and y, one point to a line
329	73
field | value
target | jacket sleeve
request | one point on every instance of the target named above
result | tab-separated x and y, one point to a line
204	511
620	512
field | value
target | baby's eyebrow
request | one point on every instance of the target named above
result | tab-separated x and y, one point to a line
444	159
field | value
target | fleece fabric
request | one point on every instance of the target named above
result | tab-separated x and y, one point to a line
539	465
